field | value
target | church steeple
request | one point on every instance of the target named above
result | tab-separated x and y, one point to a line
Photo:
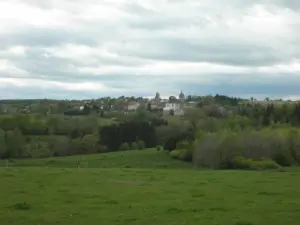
157	97
181	96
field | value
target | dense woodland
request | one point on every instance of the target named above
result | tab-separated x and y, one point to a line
219	132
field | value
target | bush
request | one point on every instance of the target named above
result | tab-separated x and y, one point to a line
219	149
159	147
134	146
176	153
124	147
242	163
182	145
21	206
140	145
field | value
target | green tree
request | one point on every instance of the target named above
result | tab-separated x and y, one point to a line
134	146
52	125
149	107
15	144
2	144
140	144
90	143
8	123
59	145
124	146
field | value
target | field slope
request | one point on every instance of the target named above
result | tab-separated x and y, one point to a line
149	158
135	187
71	196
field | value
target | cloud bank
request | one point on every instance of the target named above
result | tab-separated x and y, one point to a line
88	48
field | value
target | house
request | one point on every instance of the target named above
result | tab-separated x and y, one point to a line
174	106
9	109
131	105
156	103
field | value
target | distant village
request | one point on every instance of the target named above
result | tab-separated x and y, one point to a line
174	105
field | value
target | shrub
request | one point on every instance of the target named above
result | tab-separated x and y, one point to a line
176	153
134	146
243	163
159	147
187	150
140	144
219	149
187	155
21	206
124	146
182	145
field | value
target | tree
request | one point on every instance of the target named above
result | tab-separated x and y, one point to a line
140	145
90	144
134	146
59	145
52	125
101	113
15	144
149	107
2	144
8	123
124	146
193	115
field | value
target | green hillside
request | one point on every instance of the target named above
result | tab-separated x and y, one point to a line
131	196
149	158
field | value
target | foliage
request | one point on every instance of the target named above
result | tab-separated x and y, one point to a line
114	135
2	144
140	144
134	146
218	150
176	153
242	163
124	146
47	128
159	148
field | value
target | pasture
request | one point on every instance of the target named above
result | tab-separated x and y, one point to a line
143	187
148	158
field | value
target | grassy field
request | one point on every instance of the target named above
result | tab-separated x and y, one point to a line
149	158
32	196
52	191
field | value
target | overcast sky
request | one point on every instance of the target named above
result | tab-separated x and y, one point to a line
93	48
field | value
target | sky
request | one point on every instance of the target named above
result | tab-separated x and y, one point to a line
78	49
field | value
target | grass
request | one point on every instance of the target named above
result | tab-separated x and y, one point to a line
128	196
148	158
134	187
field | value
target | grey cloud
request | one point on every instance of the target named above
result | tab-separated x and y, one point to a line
215	51
53	68
46	37
144	40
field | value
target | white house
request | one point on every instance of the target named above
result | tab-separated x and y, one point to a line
133	106
174	105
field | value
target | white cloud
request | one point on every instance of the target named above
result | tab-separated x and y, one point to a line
7	66
17	50
71	86
16	15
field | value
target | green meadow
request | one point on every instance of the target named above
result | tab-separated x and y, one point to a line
143	187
